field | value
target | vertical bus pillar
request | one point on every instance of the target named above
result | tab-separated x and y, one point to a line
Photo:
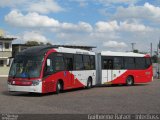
98	69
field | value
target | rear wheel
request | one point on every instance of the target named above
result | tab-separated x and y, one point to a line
58	87
129	81
89	83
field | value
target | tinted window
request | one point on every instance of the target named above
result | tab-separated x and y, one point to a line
26	66
104	64
59	63
78	62
68	61
107	62
118	63
148	62
54	63
129	63
140	63
49	65
87	62
92	60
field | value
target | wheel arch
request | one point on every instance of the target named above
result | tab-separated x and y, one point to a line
133	78
90	78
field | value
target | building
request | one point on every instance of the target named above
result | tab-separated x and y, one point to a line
5	50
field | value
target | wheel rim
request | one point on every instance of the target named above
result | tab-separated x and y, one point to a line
129	81
89	83
59	86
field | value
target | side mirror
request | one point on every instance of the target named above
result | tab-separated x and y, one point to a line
48	62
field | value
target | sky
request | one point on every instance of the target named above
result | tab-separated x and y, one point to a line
107	24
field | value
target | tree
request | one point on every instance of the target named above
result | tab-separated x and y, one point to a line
35	43
155	57
32	43
136	51
48	43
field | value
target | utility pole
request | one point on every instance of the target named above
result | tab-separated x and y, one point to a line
158	47
133	45
151	50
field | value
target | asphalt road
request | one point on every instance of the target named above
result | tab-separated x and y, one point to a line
136	99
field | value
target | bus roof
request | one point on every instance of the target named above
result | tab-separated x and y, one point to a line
41	50
74	51
129	54
36	50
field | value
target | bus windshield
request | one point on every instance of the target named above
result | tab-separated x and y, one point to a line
26	67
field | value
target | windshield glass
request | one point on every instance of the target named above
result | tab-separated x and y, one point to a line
26	66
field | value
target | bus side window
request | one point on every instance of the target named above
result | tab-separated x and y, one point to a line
92	59
78	62
59	63
148	62
68	61
107	63
118	63
49	65
104	64
110	64
140	63
129	63
87	62
48	69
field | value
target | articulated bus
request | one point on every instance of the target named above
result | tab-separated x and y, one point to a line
53	69
49	69
123	68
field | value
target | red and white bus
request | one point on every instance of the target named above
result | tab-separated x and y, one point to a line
48	69
123	68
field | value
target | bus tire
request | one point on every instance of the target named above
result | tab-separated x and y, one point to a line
89	83
58	87
130	81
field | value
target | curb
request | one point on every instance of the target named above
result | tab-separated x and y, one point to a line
3	75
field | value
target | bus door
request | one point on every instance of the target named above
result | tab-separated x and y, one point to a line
78	69
118	67
107	69
69	69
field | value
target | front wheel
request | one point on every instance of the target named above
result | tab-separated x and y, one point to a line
129	81
58	87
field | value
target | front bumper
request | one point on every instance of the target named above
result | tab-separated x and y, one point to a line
36	89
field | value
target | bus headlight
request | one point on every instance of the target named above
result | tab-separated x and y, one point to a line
36	82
